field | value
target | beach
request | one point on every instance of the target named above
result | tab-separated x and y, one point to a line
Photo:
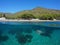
22	20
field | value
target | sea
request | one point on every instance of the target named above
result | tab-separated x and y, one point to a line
30	33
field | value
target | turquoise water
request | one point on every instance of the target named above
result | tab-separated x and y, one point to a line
27	33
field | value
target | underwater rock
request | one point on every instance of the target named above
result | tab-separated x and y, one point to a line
22	39
47	32
29	37
3	38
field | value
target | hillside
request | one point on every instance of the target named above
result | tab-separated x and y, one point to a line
39	11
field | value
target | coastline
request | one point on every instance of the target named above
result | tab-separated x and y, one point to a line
16	20
3	19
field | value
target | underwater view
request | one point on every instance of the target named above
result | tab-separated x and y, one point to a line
30	33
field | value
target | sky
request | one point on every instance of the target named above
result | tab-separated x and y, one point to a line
12	6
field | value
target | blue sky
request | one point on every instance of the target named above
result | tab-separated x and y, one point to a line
12	6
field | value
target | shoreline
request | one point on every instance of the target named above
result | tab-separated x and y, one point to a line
10	20
3	19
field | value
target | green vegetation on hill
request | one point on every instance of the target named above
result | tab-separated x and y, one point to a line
27	16
40	13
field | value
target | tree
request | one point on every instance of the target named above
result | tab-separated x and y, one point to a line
46	17
3	15
27	16
0	15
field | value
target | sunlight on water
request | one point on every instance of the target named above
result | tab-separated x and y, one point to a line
29	33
